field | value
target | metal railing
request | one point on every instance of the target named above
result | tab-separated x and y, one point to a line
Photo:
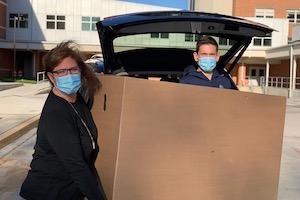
252	81
279	82
40	77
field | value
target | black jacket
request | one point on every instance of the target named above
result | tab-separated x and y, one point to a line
63	161
219	79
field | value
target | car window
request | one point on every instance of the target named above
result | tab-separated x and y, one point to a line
165	40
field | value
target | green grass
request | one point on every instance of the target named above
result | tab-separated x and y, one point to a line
26	81
18	80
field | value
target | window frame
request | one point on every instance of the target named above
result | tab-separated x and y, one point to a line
159	35
263	42
22	19
295	13
264	13
226	41
58	22
90	23
191	37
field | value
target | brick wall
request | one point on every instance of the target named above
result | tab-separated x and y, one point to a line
2	20
6	62
283	69
247	9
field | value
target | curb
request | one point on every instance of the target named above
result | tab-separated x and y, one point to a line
12	134
10	86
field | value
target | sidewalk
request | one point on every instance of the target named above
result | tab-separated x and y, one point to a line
20	108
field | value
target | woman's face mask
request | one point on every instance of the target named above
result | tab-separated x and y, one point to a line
69	83
207	63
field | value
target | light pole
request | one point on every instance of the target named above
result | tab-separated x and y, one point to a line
16	19
14	63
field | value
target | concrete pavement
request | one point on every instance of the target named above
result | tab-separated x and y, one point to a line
289	184
20	108
14	165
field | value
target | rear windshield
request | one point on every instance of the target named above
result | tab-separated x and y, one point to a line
165	40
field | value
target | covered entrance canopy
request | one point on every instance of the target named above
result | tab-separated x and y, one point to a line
288	52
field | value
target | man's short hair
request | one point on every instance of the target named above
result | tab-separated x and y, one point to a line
204	39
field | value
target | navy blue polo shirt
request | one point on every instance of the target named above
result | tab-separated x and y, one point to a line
194	77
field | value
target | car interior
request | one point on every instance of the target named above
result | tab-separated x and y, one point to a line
168	64
130	50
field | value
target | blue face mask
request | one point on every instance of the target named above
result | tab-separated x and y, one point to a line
68	84
207	64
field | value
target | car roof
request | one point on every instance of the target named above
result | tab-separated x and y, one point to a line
202	23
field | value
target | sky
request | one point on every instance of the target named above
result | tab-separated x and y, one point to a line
183	4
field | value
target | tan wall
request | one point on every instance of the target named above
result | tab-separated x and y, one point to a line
2	20
214	6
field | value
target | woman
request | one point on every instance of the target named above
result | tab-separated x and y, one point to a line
66	148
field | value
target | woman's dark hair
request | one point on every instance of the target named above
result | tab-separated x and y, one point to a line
70	49
204	39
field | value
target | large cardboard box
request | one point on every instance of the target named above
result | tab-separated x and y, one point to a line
170	141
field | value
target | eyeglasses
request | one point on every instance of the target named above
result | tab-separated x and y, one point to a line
63	72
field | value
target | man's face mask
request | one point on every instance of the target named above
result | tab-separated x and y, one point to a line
69	84
207	63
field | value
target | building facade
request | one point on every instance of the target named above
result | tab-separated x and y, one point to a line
29	28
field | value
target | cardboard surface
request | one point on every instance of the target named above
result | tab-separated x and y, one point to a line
168	141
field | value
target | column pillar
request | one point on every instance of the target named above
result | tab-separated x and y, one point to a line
267	74
294	72
291	72
241	75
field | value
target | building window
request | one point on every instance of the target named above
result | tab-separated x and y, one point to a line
188	37
154	35
226	42
21	20
56	22
257	41
191	37
261	72
223	41
164	35
262	41
264	13
60	22
159	35
293	16
267	42
89	23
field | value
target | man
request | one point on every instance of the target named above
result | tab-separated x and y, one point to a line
205	72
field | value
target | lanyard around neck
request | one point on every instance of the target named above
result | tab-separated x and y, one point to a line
86	127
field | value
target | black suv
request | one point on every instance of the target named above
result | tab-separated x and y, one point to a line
161	44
